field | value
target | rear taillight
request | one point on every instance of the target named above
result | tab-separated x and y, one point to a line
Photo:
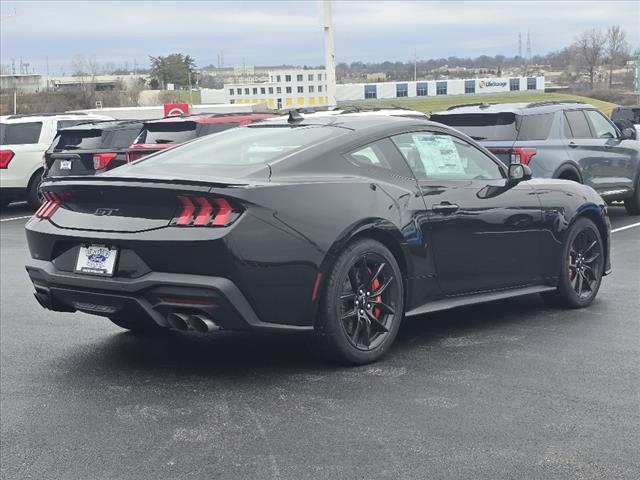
517	154
51	204
5	158
131	156
201	211
102	160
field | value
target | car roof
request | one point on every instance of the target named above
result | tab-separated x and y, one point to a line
357	110
352	121
33	117
521	108
103	125
206	118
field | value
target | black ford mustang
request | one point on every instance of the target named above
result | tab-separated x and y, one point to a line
338	226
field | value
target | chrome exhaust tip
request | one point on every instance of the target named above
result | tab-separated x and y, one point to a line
178	321
201	324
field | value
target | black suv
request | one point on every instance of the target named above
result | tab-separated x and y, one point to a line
566	140
91	148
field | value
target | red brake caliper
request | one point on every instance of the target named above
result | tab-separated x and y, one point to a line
374	286
571	272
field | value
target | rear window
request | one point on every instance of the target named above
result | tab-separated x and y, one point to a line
482	126
122	137
78	140
499	126
244	146
26	133
167	132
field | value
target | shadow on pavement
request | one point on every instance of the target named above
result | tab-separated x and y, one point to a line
233	353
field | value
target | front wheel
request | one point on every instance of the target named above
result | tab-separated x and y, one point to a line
632	204
581	267
362	304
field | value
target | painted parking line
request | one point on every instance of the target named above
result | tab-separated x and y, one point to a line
14	218
619	229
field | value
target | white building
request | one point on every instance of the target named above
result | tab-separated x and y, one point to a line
285	89
432	88
307	88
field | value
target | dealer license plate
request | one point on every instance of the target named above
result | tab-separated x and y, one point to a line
96	260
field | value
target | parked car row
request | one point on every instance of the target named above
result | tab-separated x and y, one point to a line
23	140
565	140
39	146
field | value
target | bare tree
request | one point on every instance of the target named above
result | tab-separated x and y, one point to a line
590	46
617	48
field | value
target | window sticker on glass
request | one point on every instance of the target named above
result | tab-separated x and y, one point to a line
439	154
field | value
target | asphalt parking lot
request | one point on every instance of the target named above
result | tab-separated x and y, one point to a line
512	389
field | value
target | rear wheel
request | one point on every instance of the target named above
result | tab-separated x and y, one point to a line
34	196
362	304
138	325
582	267
632	204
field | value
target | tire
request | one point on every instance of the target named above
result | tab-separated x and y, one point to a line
632	204
138	325
34	199
582	267
354	326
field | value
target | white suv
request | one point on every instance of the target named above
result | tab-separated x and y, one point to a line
23	141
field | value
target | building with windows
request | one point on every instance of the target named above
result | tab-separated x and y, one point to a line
307	88
432	88
296	88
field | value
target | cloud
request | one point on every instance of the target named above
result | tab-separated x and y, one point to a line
267	32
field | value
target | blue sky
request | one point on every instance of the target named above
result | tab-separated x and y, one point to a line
273	33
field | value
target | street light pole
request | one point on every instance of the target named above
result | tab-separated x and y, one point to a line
324	8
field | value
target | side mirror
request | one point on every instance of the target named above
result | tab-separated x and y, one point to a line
518	173
628	134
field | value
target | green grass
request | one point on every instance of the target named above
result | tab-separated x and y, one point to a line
436	104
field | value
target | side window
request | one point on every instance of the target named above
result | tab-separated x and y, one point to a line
434	155
577	125
22	133
380	155
601	126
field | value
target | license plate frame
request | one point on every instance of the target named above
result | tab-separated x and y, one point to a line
96	259
66	164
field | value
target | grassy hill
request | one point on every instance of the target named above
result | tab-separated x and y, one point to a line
436	104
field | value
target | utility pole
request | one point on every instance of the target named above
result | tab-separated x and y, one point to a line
190	89
324	10
520	45
415	66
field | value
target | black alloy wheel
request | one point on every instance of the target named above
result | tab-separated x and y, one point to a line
367	303
362	304
582	267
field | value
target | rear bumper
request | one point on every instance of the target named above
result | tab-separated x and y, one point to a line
155	295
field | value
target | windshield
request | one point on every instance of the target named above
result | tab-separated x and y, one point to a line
243	146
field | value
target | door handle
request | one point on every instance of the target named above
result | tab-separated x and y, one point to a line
573	144
445	207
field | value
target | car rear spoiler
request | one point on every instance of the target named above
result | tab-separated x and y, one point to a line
60	183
